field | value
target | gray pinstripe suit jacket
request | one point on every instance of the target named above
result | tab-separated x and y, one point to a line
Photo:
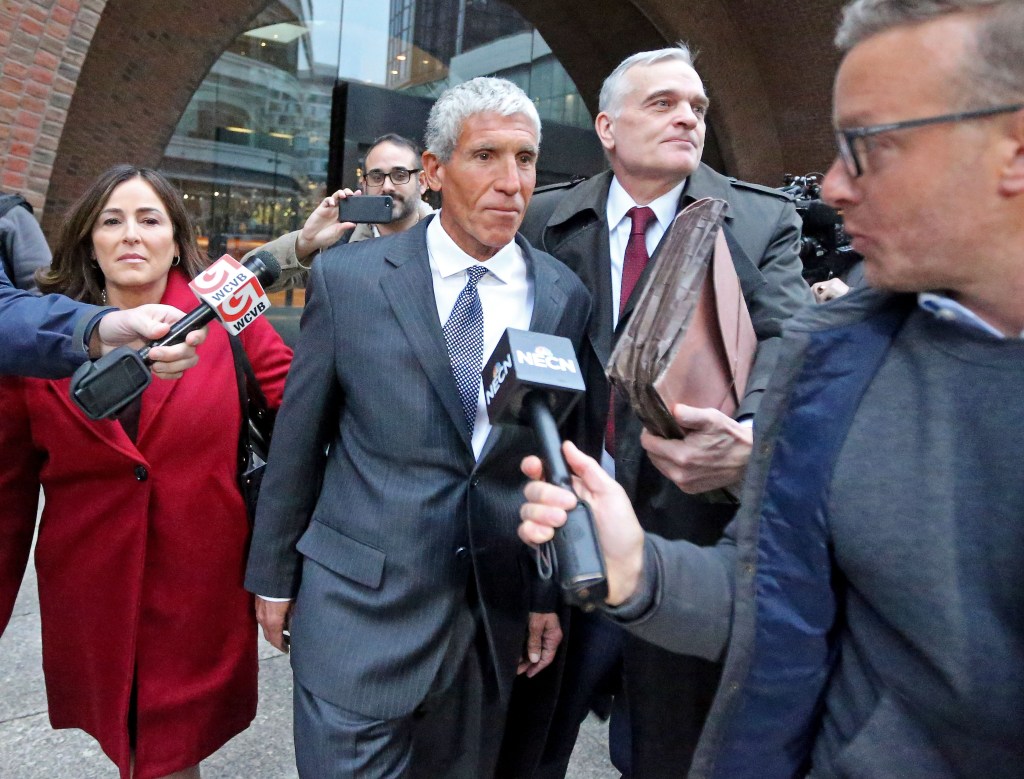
377	540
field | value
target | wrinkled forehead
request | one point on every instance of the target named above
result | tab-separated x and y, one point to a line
882	78
487	129
641	81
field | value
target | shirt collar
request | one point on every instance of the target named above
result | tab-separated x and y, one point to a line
449	258
948	310
664	207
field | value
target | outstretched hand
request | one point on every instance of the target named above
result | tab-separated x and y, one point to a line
136	326
618	531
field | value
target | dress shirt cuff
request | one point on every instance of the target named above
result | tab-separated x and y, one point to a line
275	600
637	605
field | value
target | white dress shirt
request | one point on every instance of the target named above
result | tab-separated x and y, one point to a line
506	296
619	225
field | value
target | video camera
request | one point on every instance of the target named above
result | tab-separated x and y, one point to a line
824	248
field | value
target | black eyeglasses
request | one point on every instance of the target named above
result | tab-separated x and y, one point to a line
398	176
850	139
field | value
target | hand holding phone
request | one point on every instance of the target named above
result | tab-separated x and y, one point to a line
373	209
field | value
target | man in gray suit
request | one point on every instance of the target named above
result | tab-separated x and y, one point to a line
410	602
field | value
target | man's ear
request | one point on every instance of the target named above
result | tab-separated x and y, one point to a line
603	126
433	171
1011	181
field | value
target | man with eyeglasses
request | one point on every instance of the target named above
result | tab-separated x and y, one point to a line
392	167
868	598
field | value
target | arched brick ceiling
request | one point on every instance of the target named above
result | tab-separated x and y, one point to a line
144	63
767	63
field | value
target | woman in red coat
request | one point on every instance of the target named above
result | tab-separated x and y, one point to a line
149	640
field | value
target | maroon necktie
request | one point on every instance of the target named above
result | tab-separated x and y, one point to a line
632	267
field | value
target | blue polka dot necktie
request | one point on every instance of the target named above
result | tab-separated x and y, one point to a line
464	337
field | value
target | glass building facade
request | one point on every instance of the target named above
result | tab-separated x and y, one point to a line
286	113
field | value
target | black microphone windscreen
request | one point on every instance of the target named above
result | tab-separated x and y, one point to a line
819	216
271	270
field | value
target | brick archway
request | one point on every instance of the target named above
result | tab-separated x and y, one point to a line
767	65
88	83
145	62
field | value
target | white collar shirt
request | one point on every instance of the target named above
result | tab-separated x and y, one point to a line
619	202
619	225
506	296
948	310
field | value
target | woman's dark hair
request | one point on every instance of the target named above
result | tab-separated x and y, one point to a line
73	271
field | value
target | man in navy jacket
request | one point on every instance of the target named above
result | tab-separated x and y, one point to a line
867	599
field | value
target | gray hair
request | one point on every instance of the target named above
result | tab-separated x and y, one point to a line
477	96
994	70
613	90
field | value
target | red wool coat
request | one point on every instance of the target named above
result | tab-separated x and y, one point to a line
141	552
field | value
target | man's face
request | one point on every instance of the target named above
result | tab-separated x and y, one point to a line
658	134
385	157
926	194
487	183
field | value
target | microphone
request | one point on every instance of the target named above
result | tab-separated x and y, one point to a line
527	378
227	290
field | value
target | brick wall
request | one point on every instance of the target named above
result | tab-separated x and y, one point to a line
44	44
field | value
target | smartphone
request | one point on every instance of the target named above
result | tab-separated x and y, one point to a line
375	209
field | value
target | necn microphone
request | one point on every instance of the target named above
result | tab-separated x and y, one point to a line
227	290
534	379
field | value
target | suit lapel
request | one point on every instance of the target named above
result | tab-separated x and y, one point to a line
159	392
409	289
549	298
705	182
156	396
107	430
577	234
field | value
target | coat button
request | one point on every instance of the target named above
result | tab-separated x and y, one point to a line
474	482
141	473
461	553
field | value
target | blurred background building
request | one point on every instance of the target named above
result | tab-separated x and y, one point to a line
254	149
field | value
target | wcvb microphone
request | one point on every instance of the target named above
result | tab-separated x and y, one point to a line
227	290
527	379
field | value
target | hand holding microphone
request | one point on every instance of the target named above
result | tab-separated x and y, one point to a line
227	290
619	531
135	326
527	376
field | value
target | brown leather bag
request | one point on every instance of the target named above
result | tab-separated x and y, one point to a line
711	366
690	339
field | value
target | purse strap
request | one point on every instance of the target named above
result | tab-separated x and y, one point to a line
249	389
251	399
